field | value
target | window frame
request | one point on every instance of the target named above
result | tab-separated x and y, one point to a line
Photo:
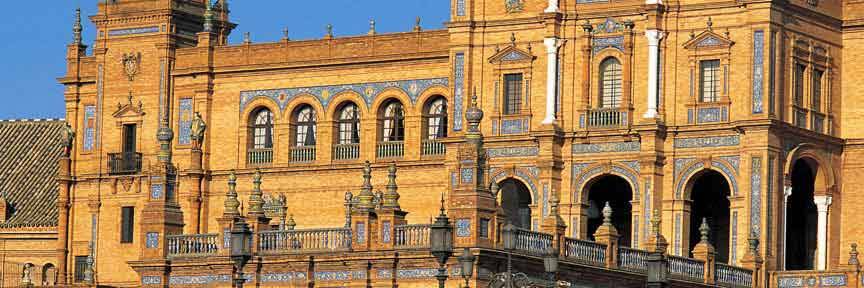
342	123
392	121
266	129
127	224
709	93
512	102
81	267
440	115
303	126
614	99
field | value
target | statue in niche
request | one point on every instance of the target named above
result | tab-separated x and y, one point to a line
26	278
68	139
198	126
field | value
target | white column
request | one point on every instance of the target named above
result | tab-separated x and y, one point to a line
787	191
654	37
552	45
822	203
553	7
654	2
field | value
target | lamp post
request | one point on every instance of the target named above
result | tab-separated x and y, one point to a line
241	249
550	262
467	265
441	241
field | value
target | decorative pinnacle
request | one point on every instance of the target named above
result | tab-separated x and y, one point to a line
553	205
704	229
607	214
77	28
329	31
372	27
246	38
290	224
417	27
853	255
442	205
474	115
366	195
285	34
710	23
231	202
256	202
208	16
391	198
655	222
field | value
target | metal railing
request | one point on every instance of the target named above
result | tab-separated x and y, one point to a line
259	156
346	151
302	154
390	149
584	251
310	240
532	242
433	147
192	244
731	276
632	259
412	236
124	163
606	118
686	268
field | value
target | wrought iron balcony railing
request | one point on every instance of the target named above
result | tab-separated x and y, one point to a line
124	163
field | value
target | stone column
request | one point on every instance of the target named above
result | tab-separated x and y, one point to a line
654	37
659	2
552	7
822	204
552	45
787	191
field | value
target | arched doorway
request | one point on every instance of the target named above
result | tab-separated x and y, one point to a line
618	193
516	202
801	218
709	195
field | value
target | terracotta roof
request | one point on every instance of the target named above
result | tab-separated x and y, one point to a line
29	150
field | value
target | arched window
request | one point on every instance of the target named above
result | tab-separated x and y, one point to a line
261	127
305	127
393	122
435	118
610	83
349	124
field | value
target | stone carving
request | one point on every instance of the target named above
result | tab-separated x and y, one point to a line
131	63
68	139
514	6
197	127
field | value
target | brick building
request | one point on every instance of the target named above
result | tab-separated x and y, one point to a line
540	113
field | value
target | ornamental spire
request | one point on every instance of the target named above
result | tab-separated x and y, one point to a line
208	16
77	28
474	115
256	200
703	230
366	196
231	202
391	198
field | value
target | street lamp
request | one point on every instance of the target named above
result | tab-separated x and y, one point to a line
467	263
441	242
550	262
241	249
509	279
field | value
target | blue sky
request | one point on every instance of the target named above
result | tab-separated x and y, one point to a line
33	50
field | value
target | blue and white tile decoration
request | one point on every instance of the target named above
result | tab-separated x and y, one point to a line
700	142
151	280
340	275
152	240
369	91
89	127
525	151
185	120
283	277
758	60
463	227
756	195
632	146
458	89
600	43
385	231
133	31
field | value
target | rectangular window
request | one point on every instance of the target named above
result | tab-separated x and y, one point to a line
817	91
799	85
80	268
484	228
129	137
512	93
710	73
127	224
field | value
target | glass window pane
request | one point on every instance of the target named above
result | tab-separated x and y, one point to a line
512	93
710	70
610	83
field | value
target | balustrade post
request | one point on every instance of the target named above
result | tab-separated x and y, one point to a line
753	261
608	235
705	251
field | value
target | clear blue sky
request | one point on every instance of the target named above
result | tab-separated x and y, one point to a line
35	35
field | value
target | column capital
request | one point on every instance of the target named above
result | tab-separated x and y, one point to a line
787	191
654	36
822	202
552	44
552	7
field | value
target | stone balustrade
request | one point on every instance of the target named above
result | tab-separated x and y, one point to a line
302	154
632	259
300	241
433	147
259	156
192	245
412	236
584	251
532	242
390	149
733	276
686	268
602	118
346	151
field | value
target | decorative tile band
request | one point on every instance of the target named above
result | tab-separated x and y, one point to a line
460	7
463	227
200	279
769	212
545	200
755	195
733	247
789	282
89	127
631	178
369	91
600	43
340	275
133	31
514	126
467	175
283	277
458	88
606	147
151	280
833	280
385	231
713	114
417	273
723	168
185	120
758	60
526	151
361	234
699	142
678	248
152	240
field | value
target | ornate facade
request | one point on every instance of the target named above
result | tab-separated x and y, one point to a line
739	114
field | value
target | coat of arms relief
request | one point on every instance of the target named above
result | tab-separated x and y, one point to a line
131	63
514	6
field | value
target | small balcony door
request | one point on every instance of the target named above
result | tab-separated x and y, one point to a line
129	145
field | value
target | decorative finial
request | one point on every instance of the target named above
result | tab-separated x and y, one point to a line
417	27
231	202
853	255
710	23
208	16
442	204
474	115
285	34
256	200
329	31
391	199
372	27
587	27
553	204
513	38
754	243
366	196
704	230
247	38
607	214
77	28
290	224
655	222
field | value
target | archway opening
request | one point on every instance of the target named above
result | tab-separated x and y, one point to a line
801	218
710	200
516	202
618	193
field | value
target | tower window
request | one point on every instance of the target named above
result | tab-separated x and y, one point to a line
127	224
610	83
512	93
710	70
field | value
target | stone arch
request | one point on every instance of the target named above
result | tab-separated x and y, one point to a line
304	99
511	198
343	97
393	93
429	94
685	179
819	163
521	174
595	172
257	103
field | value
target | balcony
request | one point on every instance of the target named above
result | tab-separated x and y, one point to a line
605	118
412	236
124	163
303	154
390	149
300	241
346	151
433	147
259	156
193	245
